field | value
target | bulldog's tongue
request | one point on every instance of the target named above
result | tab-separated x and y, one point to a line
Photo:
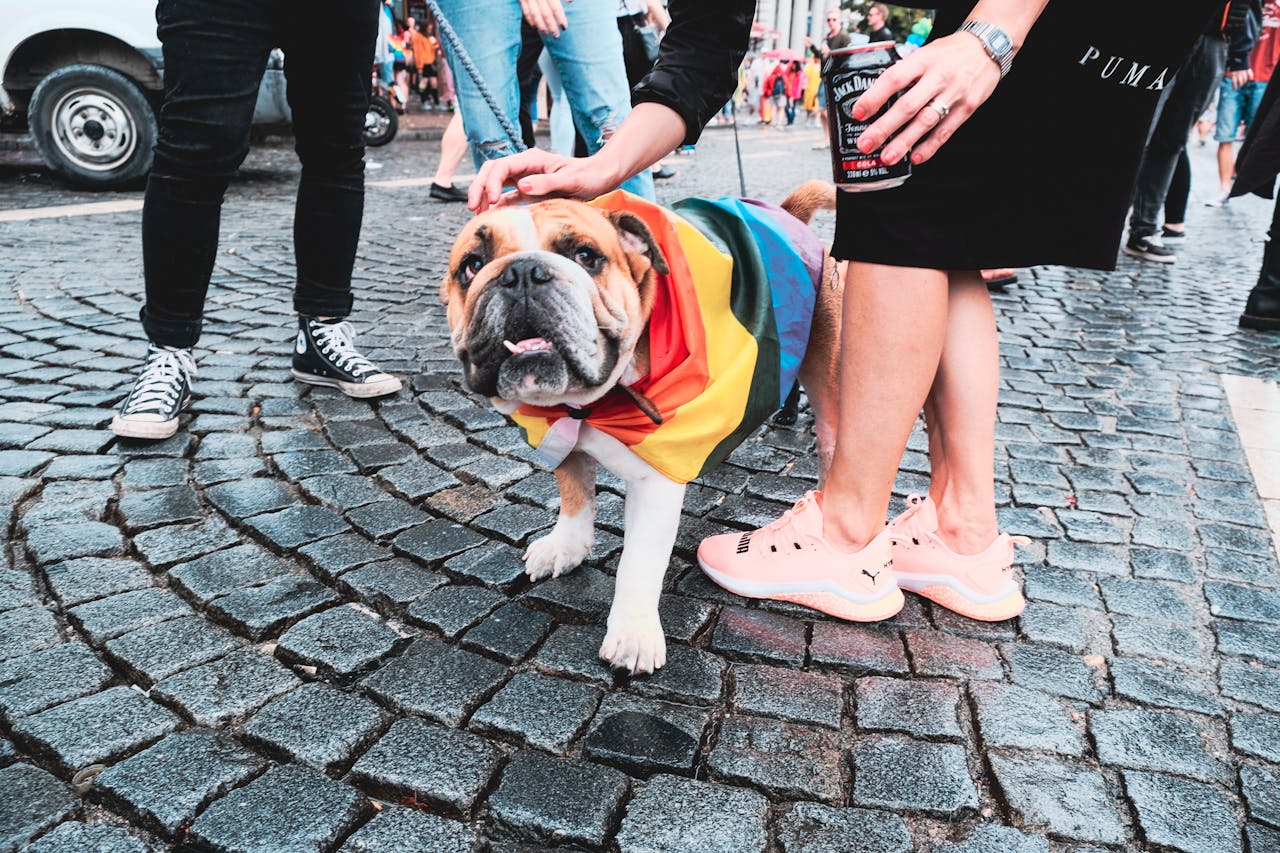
528	345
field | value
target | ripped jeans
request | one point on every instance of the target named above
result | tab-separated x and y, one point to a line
588	56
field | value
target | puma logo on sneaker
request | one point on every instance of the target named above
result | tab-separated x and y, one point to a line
870	575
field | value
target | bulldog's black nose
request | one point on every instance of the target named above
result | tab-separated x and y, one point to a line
524	274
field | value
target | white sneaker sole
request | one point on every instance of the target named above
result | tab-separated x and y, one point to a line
143	429
946	591
825	596
359	390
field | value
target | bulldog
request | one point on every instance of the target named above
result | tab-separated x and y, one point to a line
618	333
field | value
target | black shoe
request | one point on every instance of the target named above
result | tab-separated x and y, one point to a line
1262	311
160	392
664	173
325	354
1167	233
1149	249
440	192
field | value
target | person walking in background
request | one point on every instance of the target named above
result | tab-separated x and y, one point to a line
1181	102
835	39
583	41
877	21
812	83
215	52
1256	172
795	89
426	53
777	86
453	146
1240	93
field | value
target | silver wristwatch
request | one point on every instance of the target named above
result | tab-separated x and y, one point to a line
995	41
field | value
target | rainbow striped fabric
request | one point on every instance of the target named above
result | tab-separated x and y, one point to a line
728	331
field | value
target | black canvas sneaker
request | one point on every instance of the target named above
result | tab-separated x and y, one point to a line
1149	249
325	354
160	392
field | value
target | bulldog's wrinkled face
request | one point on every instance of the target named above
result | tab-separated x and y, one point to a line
547	303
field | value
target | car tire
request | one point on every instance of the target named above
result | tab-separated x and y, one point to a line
94	127
381	122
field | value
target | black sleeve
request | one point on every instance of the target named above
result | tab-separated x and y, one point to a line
697	67
1243	26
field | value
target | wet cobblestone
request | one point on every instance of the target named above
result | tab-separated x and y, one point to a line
326	598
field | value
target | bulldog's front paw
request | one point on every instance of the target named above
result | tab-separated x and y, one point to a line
637	646
555	554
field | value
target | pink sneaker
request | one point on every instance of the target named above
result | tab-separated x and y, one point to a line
981	586
788	560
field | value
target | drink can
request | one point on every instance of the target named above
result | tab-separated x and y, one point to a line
848	72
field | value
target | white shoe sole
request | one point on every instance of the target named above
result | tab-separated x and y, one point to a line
143	429
359	390
825	596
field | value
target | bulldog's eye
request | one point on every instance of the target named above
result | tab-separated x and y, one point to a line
589	259
470	266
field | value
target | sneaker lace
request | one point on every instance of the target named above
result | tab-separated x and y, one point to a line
160	383
337	343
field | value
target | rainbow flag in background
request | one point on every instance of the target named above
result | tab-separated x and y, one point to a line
729	328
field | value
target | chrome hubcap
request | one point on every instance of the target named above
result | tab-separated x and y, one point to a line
94	130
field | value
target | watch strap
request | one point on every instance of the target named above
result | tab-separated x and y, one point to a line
987	33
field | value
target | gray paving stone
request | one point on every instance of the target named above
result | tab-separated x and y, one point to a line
792	695
584	593
495	564
1087	557
437	681
452	609
939	654
222	572
16	590
1234	566
921	708
445	768
815	828
339	641
689	675
1155	740
646	736
1261	789
241	499
118	614
156	652
856	649
165	785
316	724
900	773
342	553
1147	599
261	611
757	636
54	542
1052	670
1262	839
673	815
1243	602
1162	565
26	630
539	710
1257	735
393	584
31	801
343	491
222	470
77	581
154	473
226	689
1072	628
295	465
990	838
1160	641
558	800
154	507
1251	682
1067	799
287	808
1014	716
434	542
73	837
1189	816
1154	684
94	729
298	525
40	680
18	463
574	650
181	543
510	633
785	760
1248	639
407	830
1233	538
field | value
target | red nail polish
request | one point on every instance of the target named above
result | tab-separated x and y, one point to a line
859	113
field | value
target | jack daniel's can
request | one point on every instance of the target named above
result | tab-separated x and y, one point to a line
848	72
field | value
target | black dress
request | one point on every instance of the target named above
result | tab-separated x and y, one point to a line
1042	173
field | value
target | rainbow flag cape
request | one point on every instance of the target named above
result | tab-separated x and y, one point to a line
729	328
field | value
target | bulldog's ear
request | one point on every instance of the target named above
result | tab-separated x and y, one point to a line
637	239
444	291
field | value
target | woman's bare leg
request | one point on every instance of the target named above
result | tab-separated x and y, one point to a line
894	321
453	145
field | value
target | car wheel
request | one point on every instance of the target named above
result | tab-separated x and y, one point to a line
380	122
93	126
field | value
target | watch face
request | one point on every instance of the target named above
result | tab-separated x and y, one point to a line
1000	42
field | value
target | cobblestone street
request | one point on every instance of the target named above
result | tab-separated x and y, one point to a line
302	623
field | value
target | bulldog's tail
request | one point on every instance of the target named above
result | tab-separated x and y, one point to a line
809	197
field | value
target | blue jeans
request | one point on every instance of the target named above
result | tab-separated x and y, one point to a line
1236	106
588	56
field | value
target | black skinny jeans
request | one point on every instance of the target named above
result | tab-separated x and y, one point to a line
215	52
